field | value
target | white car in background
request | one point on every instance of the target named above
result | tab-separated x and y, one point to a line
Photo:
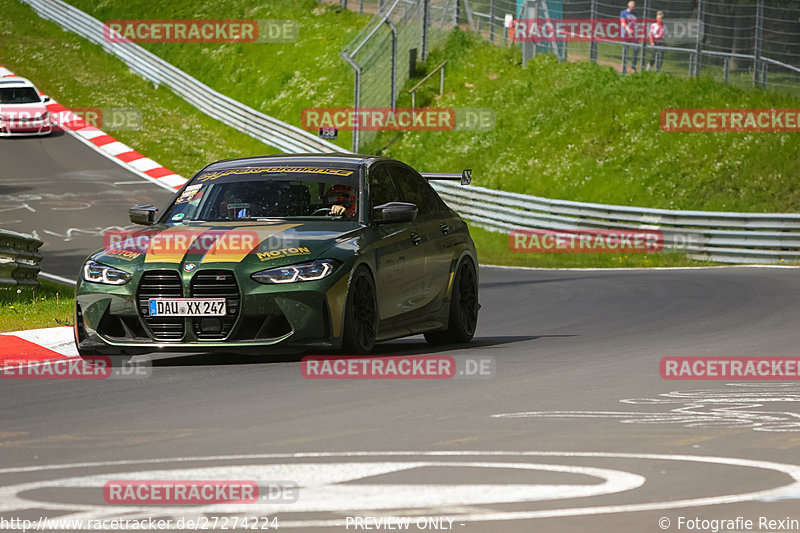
22	110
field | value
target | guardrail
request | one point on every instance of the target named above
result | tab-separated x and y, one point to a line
720	236
19	259
413	90
265	128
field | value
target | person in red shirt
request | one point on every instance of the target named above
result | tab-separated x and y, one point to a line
655	36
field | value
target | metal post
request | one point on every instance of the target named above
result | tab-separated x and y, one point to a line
441	82
468	11
646	32
457	13
426	10
356	98
759	34
491	20
624	59
764	75
726	71
361	7
698	46
393	96
593	43
529	49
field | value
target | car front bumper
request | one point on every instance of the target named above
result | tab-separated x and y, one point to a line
111	319
16	128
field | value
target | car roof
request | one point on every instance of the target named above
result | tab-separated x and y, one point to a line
334	159
16	82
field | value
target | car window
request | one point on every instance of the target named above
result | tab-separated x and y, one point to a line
415	189
381	188
19	95
267	192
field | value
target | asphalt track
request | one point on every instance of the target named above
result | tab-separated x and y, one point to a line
575	431
67	195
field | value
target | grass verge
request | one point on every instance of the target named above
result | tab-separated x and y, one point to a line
280	79
48	306
580	131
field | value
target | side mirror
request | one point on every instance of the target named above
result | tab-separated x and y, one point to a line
45	98
395	212
143	214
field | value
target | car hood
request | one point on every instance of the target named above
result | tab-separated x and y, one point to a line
259	245
27	111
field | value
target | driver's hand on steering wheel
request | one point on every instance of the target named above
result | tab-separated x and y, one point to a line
337	210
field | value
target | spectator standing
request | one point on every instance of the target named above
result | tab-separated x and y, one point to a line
656	37
627	19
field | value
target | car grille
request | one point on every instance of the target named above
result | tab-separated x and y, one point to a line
161	284
216	284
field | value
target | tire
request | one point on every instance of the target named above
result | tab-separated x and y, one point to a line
361	314
463	308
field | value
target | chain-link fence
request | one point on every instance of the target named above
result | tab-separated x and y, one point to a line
747	42
753	42
383	53
744	42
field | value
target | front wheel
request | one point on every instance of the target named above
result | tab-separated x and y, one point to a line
361	314
463	308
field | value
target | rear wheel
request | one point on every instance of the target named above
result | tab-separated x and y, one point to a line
361	314
463	308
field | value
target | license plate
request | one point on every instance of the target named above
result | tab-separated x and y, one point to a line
187	306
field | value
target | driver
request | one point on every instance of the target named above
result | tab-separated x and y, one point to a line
341	199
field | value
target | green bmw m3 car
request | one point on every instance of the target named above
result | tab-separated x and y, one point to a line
305	251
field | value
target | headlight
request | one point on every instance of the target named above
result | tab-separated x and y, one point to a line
310	271
98	273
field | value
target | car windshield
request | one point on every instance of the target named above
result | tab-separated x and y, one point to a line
19	95
255	193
